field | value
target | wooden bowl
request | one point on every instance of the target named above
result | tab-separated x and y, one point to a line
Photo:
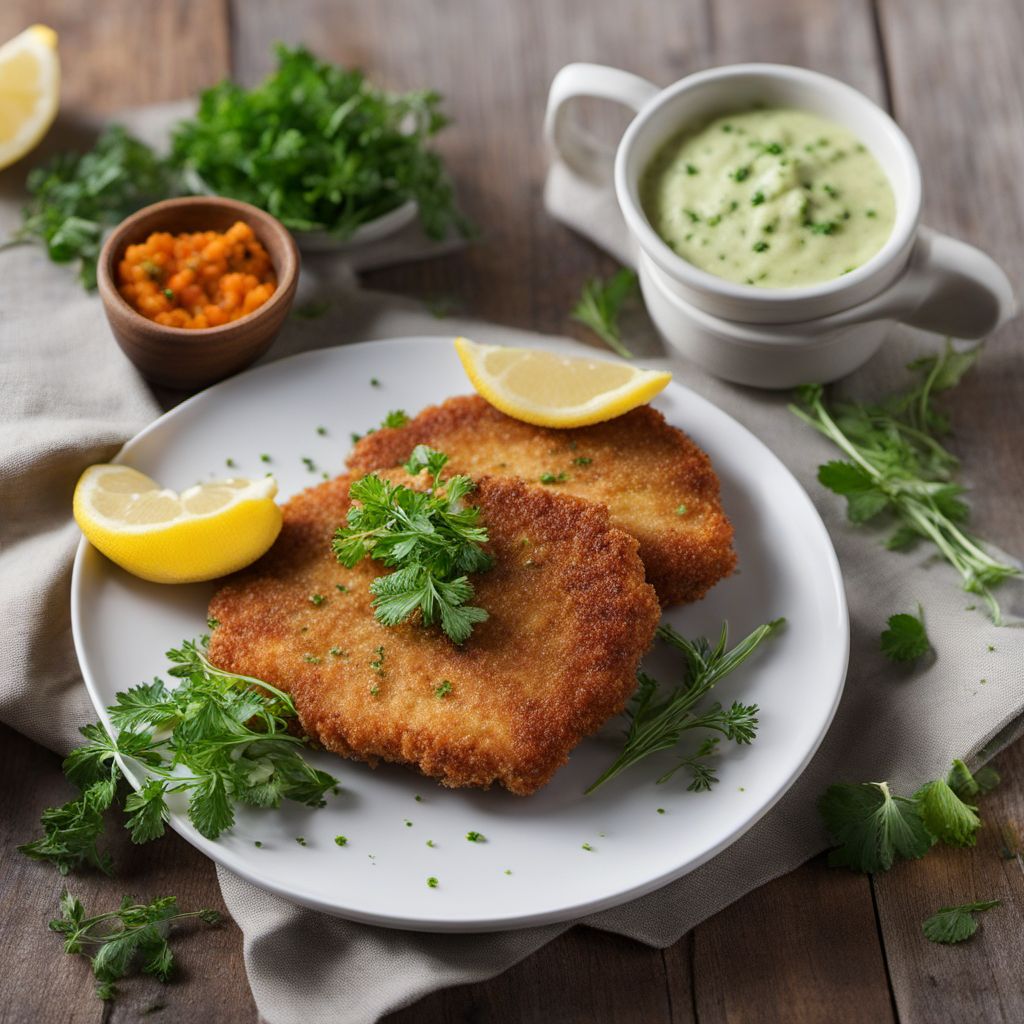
189	359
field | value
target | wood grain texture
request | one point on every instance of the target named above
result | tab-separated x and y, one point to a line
808	946
795	948
582	977
116	54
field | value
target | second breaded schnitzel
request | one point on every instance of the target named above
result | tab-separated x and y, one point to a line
570	618
656	483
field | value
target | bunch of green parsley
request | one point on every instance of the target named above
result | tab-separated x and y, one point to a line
315	145
219	738
320	148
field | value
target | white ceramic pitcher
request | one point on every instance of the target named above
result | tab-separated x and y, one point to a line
775	337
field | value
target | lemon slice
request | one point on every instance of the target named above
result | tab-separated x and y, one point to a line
206	531
553	390
29	91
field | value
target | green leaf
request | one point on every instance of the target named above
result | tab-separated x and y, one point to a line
147	811
71	832
600	304
945	815
113	941
209	808
148	704
903	538
159	959
93	760
968	785
423	457
905	639
871	828
75	196
864	500
955	924
394	419
226	738
986	778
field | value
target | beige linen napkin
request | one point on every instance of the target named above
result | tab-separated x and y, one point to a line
70	399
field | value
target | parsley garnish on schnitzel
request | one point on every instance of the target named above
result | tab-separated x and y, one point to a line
432	539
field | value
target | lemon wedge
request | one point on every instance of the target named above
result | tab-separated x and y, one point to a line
553	390
206	531
29	91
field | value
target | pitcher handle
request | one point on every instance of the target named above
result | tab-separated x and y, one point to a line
952	288
580	189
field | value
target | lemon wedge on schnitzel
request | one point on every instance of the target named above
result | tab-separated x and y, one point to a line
29	91
206	531
553	390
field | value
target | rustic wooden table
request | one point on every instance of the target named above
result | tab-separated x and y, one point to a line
816	945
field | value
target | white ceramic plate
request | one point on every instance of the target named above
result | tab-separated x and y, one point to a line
123	625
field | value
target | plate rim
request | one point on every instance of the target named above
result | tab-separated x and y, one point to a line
294	894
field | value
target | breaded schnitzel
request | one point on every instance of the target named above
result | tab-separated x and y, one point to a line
570	618
657	484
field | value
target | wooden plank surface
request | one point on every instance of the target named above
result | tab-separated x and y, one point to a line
816	945
964	114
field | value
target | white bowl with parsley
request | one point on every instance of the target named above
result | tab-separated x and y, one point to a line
768	257
339	162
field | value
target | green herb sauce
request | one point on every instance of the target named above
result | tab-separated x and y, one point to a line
774	198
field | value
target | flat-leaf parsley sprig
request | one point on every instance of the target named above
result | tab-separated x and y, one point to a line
873	827
896	465
112	941
658	722
432	539
219	737
600	304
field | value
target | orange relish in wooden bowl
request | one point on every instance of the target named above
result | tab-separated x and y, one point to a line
196	280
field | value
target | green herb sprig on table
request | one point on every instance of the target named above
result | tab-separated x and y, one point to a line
600	305
320	148
659	722
432	539
76	195
219	737
897	466
873	828
114	940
